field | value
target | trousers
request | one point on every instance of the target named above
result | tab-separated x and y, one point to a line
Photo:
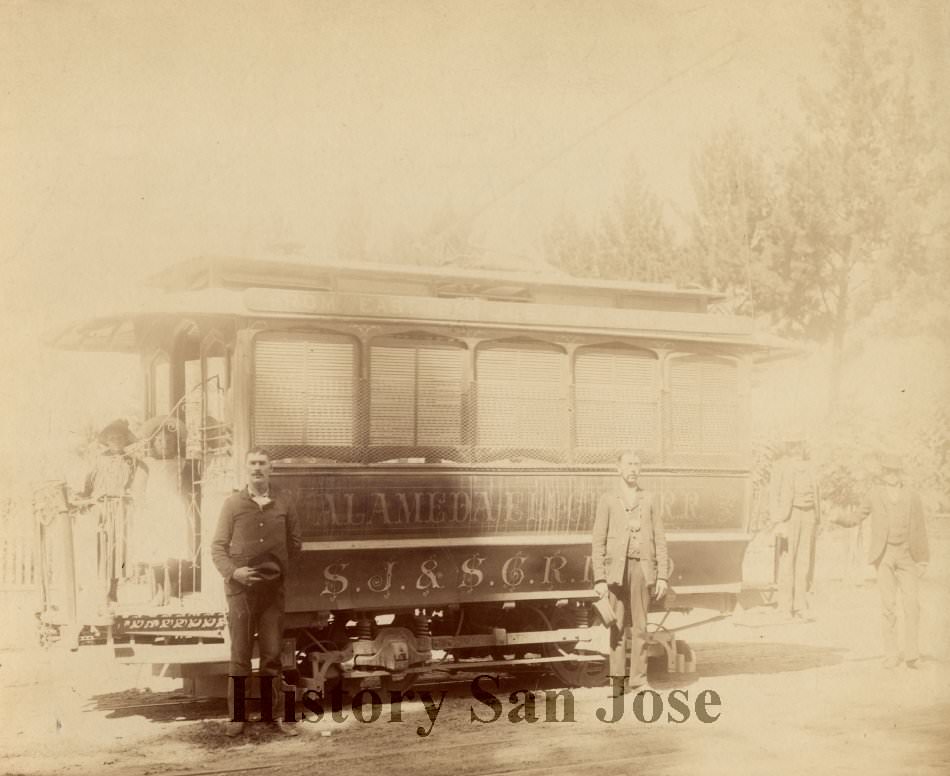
257	612
629	602
795	562
896	570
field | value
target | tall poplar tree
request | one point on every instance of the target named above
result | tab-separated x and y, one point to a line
859	190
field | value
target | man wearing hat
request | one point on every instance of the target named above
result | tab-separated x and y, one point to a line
796	513
899	552
256	541
629	559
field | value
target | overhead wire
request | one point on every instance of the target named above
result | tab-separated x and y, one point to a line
567	148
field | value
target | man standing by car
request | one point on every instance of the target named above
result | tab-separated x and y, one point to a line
899	551
256	541
629	558
796	514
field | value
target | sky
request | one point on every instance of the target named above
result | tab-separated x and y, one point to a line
136	134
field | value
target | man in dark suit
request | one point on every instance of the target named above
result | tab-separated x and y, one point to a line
899	551
257	539
796	514
629	558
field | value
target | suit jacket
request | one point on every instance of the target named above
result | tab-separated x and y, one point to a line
877	506
611	536
782	491
247	532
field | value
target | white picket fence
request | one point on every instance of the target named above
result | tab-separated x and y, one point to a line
18	542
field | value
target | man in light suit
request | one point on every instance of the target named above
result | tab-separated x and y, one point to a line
796	514
629	558
899	552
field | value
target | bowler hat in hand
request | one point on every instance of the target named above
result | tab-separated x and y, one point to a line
267	567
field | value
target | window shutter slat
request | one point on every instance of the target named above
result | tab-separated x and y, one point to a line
705	408
520	397
416	394
304	391
616	398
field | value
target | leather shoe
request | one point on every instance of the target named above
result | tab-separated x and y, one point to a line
279	726
234	729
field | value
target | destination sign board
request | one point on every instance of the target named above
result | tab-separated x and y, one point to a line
454	504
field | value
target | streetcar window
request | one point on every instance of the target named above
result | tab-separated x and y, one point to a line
521	396
704	395
304	390
616	398
416	393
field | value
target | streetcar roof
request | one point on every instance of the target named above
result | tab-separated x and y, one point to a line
210	288
221	271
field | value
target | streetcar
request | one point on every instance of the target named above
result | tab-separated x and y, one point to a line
445	435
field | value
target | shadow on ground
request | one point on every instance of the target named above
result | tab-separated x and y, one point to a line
730	659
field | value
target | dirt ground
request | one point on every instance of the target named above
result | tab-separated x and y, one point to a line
793	698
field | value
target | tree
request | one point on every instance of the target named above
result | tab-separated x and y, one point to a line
631	240
571	248
852	223
735	198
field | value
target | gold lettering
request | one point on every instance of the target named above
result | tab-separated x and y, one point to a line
437	507
427	578
512	506
351	518
551	570
331	508
336	583
380	511
667	503
692	504
382	582
457	516
483	504
404	506
472	575
511	572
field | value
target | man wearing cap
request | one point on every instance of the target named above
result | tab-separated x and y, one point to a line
899	551
256	541
796	514
629	557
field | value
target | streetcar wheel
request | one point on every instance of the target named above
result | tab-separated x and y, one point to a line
586	673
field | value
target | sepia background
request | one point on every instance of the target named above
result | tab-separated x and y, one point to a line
792	154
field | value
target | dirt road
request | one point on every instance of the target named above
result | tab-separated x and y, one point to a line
793	699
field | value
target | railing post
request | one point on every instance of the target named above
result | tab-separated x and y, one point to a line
69	566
